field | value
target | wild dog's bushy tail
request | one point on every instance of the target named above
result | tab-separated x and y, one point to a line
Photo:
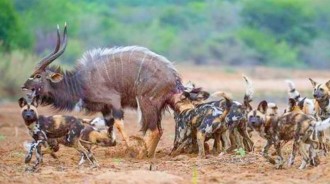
249	91
292	91
322	125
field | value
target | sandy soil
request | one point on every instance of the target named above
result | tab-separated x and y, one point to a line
117	167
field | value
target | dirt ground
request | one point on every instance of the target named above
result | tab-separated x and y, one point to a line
117	167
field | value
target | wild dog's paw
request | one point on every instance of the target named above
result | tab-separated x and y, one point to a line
290	161
303	164
279	162
28	158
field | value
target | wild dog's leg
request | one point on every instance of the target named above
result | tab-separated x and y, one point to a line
265	152
180	148
235	138
200	142
305	155
246	137
279	160
293	153
30	152
86	153
217	143
225	137
38	153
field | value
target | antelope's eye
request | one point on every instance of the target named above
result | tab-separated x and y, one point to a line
37	76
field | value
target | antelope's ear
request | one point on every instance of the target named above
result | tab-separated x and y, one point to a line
54	77
262	107
313	82
22	102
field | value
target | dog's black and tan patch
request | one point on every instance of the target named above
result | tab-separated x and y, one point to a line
54	130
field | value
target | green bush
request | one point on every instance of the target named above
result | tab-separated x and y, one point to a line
271	52
13	35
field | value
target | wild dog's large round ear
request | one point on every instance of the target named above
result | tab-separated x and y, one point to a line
313	82
301	103
292	102
22	102
328	84
262	107
202	95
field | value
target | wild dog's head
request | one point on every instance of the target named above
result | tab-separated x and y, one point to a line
28	110
188	99
182	131
321	91
257	118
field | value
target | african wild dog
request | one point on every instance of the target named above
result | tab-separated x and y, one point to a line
321	95
67	130
199	122
237	119
293	125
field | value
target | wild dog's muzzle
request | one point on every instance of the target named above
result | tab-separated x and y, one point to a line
255	122
319	95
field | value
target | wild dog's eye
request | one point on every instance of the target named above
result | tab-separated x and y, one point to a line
321	89
37	76
258	117
24	110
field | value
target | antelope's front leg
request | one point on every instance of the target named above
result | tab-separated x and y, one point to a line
200	142
119	124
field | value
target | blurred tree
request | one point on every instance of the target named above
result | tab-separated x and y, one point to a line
290	21
12	32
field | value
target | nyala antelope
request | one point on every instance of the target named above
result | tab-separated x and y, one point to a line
108	80
67	130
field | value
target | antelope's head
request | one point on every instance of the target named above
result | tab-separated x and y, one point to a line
40	81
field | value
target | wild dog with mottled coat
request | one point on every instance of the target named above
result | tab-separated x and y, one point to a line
67	130
293	125
203	121
321	94
237	119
